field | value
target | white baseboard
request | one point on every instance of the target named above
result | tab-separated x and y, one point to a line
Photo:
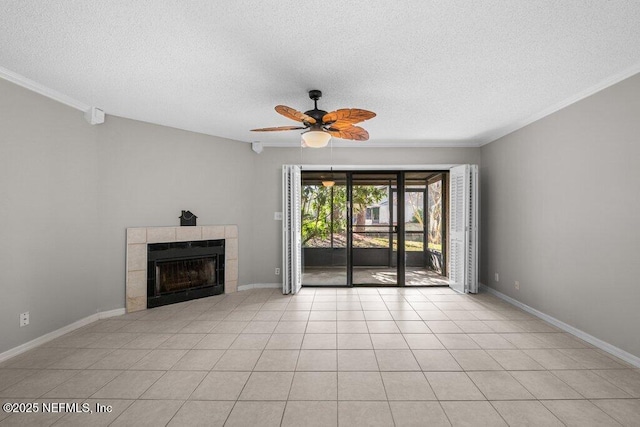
259	286
603	345
59	332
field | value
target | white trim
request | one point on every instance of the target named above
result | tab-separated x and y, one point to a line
259	286
603	345
59	332
610	81
42	89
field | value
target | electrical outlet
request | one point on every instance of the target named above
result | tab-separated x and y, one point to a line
24	319
517	285
497	277
277	271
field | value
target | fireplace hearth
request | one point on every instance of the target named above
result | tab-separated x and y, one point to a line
181	271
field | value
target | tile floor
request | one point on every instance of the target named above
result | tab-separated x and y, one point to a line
348	357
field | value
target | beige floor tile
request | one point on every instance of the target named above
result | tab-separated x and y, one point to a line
625	411
526	413
407	314
354	342
260	328
267	386
396	360
199	327
436	360
202	413
148	413
238	360
120	359
357	360
319	342
416	414
407	386
364	414
352	327
453	386
198	360
626	379
590	385
360	386
175	385
277	360
473	326
475	360
241	316
9	377
112	340
38	384
388	341
377	315
324	306
146	341
457	342
221	386
310	414
264	414
412	327
431	314
128	385
32	418
423	342
382	327
268	316
250	342
159	360
545	385
182	341
314	386
84	384
291	327
491	341
321	328
96	418
350	315
443	327
592	359
318	315
553	359
472	414
317	360
81	358
499	386
229	327
285	342
514	360
579	413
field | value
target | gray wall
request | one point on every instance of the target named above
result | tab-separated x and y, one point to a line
560	206
68	191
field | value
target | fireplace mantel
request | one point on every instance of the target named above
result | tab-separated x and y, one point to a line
137	239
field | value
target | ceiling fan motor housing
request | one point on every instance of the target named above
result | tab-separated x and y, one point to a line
317	114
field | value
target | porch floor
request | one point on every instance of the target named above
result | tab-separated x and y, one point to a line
336	276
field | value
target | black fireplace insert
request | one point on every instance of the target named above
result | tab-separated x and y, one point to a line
182	271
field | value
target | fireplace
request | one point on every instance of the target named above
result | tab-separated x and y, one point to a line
181	271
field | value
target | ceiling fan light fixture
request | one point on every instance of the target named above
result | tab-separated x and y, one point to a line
316	138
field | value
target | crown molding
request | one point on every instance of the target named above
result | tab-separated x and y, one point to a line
26	83
609	81
384	144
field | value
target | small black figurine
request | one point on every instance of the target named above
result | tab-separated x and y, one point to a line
187	219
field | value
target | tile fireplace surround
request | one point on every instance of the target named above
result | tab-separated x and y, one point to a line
137	239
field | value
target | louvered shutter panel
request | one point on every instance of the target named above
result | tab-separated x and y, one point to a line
291	229
457	227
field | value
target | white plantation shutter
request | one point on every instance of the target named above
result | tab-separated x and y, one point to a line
291	229
463	228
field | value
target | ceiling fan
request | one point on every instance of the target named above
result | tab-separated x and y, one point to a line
322	125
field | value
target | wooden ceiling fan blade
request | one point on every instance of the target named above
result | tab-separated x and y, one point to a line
293	114
355	133
278	128
348	115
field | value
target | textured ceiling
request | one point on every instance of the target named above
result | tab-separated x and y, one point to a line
436	72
